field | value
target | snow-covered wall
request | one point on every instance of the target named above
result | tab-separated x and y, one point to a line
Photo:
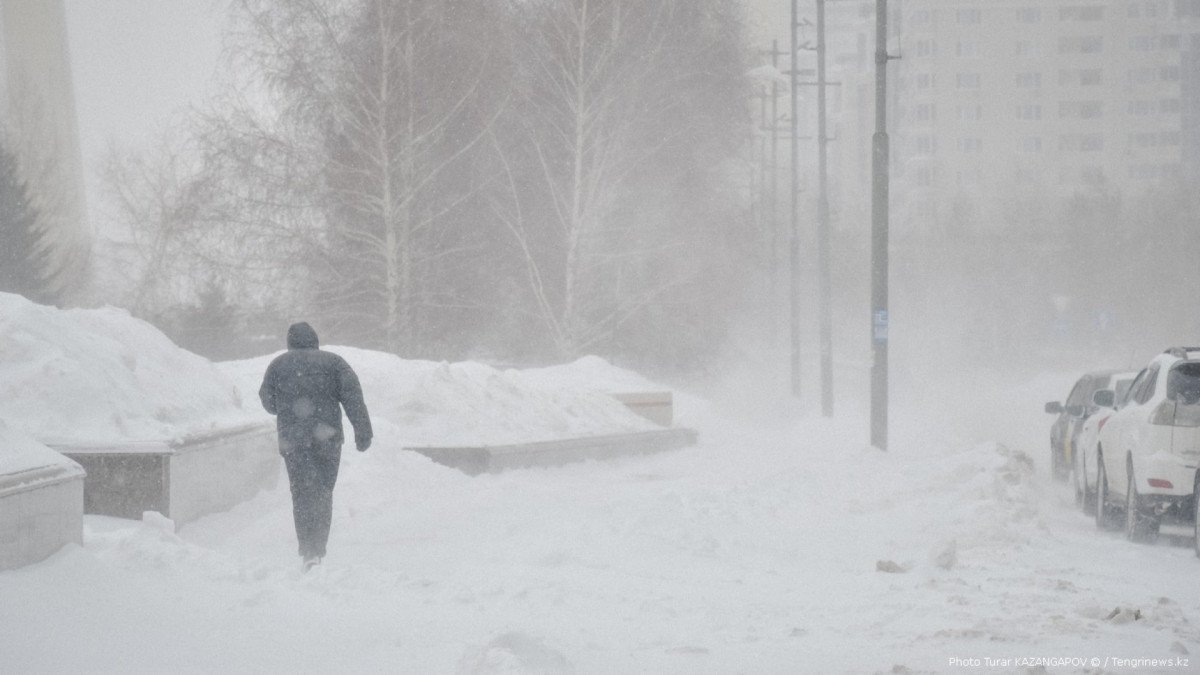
41	500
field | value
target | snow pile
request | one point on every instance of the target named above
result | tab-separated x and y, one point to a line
99	376
19	452
768	547
590	372
514	652
470	403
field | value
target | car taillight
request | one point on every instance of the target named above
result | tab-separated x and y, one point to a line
1171	414
1160	483
1100	422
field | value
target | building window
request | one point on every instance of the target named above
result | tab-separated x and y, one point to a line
1142	76
921	17
1141	108
1031	144
926	144
1083	77
970	146
1169	42
925	112
1141	43
1029	112
1168	74
1153	171
967	50
1168	105
1081	13
1029	80
1025	48
1029	15
1151	139
1143	140
970	113
926	48
1083	110
969	17
967	80
1186	8
1081	143
1080	44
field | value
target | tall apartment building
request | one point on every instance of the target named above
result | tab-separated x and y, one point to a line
1000	96
993	98
37	110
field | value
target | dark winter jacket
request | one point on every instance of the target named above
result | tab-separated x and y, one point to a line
303	388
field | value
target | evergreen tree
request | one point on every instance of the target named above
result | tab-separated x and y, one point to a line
23	256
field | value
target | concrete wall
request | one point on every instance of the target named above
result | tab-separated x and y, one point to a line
183	481
40	512
496	458
218	472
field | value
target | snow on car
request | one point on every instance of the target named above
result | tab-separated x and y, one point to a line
1083	457
1149	449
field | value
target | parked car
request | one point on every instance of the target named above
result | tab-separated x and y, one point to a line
1071	416
1083	455
1149	449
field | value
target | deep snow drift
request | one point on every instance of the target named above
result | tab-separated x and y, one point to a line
766	548
99	375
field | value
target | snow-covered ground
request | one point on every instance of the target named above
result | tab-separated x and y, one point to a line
757	551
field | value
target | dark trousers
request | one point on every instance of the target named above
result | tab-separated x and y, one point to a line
312	475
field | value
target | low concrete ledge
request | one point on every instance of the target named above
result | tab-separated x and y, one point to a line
656	406
41	510
496	458
184	479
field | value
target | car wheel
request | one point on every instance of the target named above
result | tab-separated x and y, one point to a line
1078	480
1084	497
1104	511
1058	469
1141	525
1196	516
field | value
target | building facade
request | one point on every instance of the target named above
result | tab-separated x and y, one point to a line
37	105
1005	96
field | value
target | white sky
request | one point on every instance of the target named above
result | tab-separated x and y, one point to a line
136	63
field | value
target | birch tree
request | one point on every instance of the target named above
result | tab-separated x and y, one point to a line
606	128
386	99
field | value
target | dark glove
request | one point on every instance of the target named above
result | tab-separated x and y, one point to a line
362	442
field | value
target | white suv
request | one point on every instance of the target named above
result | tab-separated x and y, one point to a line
1149	449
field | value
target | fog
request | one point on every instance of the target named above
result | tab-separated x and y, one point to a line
1010	243
503	212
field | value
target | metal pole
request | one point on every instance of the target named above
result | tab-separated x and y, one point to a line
794	234
823	262
879	238
774	220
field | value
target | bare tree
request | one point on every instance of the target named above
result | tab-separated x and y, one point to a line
380	103
605	124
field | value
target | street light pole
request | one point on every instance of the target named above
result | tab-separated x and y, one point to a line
794	232
879	238
823	275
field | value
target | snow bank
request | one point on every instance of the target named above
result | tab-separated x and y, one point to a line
470	403
101	375
20	453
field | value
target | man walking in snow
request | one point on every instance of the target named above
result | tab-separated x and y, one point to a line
304	388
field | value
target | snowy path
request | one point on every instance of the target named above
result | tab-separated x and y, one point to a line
753	552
